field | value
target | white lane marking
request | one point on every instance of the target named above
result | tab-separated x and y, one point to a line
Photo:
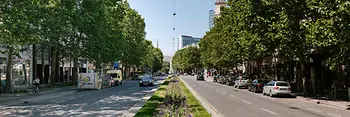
247	102
233	96
314	110
224	92
334	115
268	111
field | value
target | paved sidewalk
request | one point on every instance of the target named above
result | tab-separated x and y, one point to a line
337	104
8	98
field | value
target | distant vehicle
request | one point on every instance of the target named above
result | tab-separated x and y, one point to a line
116	75
215	78
230	80
200	77
147	81
241	82
192	74
274	88
186	74
257	85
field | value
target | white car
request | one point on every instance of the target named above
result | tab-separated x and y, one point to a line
274	88
241	82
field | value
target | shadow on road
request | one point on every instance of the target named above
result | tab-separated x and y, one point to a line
110	102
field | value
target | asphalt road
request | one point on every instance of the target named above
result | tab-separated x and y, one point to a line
231	102
115	101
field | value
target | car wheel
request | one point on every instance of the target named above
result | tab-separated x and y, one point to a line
271	95
254	90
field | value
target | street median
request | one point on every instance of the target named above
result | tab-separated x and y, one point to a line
172	98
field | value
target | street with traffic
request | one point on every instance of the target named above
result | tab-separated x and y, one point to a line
228	101
115	101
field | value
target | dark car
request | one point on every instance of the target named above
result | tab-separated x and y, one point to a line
146	80
257	85
215	78
200	77
221	79
230	80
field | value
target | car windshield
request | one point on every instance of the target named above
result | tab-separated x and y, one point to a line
281	84
146	78
262	81
113	75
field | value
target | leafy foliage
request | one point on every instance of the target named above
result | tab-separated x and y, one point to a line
101	31
253	29
187	59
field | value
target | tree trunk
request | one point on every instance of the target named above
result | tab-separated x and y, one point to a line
35	68
57	65
9	70
53	65
302	75
42	62
75	70
70	69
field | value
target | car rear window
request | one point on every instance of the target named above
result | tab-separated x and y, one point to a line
282	84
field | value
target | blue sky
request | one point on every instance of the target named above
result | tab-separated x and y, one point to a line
192	18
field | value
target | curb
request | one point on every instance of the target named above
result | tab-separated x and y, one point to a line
136	107
211	110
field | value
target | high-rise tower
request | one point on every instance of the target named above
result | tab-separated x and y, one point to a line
218	5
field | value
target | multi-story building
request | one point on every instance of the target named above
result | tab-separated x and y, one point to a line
191	45
211	18
216	12
185	40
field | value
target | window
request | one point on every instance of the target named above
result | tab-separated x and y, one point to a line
282	84
113	75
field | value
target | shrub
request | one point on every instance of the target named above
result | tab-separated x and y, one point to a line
174	79
174	104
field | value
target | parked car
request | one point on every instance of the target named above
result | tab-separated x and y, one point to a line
257	85
221	79
215	78
192	74
230	81
241	82
116	75
274	88
200	77
147	81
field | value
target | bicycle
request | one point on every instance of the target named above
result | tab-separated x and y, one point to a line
35	90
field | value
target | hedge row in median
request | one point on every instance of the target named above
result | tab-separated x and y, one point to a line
172	99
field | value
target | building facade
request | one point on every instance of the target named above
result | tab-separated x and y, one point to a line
211	18
218	5
185	40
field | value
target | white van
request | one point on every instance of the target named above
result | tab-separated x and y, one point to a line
116	76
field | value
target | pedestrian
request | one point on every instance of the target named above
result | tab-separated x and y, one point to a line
36	83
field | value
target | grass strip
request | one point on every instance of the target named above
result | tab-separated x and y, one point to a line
193	103
152	104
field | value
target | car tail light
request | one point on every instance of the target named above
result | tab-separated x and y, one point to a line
276	88
259	85
289	89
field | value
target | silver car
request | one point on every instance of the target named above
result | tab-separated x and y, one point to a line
147	81
241	82
277	88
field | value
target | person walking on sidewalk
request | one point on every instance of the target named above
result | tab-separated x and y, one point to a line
36	84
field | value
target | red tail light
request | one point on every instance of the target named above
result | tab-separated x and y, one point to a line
276	88
259	85
289	89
